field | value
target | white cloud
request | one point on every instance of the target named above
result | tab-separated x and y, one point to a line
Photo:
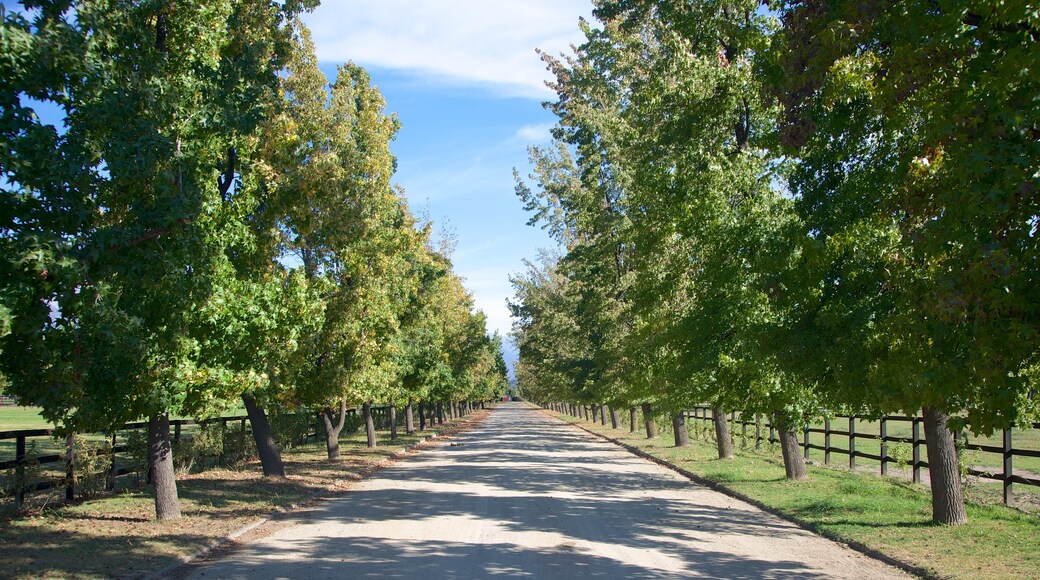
470	41
491	288
535	133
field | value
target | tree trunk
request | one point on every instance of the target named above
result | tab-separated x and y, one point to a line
603	415
422	416
794	463
682	436
722	437
266	448
615	420
393	422
648	419
409	422
332	430
633	419
943	470
370	424
160	458
440	413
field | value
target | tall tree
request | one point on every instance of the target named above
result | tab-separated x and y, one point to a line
916	130
121	222
350	229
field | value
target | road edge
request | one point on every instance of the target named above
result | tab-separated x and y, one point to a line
716	486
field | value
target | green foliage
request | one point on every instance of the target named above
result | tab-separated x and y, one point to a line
24	480
293	429
237	444
148	235
916	184
93	464
137	455
825	205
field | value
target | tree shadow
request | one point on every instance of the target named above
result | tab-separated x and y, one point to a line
567	505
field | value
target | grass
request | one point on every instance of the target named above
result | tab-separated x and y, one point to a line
868	440
882	513
13	418
117	536
16	418
19	418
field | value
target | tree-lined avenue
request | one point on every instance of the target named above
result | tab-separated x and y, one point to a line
525	494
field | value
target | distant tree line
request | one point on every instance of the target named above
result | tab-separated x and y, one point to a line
212	222
789	207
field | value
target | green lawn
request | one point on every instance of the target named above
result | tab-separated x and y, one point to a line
19	418
886	514
16	418
868	440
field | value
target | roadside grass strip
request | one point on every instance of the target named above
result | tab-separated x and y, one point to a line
880	514
117	536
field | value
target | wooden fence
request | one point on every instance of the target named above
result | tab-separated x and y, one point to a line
69	457
380	414
1007	450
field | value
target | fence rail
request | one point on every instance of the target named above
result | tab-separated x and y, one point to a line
917	441
69	459
380	414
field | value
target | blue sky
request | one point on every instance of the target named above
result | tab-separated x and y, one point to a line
464	79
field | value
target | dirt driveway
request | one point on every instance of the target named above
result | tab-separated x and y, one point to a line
526	495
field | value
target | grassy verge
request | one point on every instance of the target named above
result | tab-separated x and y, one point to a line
14	418
881	513
117	536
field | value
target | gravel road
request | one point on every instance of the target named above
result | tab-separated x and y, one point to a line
526	495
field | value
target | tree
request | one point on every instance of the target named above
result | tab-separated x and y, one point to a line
916	134
674	184
121	222
350	229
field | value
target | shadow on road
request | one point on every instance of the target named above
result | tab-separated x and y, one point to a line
524	495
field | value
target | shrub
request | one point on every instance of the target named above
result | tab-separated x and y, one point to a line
292	429
93	461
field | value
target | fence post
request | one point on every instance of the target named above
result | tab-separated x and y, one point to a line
111	483
743	431
19	456
916	470
805	440
70	467
177	430
884	447
223	429
242	441
852	443
1008	470
827	441
758	432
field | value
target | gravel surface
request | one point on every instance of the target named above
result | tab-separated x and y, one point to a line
527	495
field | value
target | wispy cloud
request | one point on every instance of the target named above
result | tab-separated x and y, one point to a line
482	42
491	288
534	134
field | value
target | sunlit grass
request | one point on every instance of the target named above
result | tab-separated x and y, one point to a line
882	513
